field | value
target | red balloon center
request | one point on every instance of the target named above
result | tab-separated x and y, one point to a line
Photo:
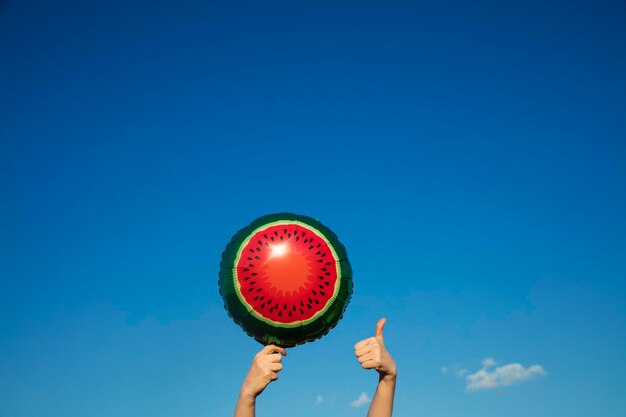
286	268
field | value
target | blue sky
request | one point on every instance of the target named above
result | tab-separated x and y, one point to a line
469	155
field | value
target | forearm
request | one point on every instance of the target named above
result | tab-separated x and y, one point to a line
245	405
264	370
382	403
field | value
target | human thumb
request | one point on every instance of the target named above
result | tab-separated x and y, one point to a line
379	328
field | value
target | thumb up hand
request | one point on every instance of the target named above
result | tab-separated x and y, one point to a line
372	353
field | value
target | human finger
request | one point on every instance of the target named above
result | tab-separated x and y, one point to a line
366	349
274	357
365	342
269	349
371	364
276	367
379	328
368	357
280	350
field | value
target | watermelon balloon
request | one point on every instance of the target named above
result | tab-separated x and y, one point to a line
285	279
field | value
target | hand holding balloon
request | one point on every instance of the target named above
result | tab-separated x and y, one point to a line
264	370
372	354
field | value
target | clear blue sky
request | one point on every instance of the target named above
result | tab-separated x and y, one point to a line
470	155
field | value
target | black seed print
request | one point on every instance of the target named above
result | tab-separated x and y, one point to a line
297	238
321	286
314	292
249	258
262	297
293	308
263	305
309	306
257	257
260	242
256	298
290	314
265	236
319	244
252	250
320	277
245	270
259	249
301	303
251	265
327	283
316	302
271	309
301	311
250	289
311	247
259	290
272	238
318	252
275	233
267	244
254	274
323	269
305	240
288	235
269	301
279	313
322	292
252	282
323	254
326	273
285	231
281	239
310	301
327	263
246	278
319	260
285	307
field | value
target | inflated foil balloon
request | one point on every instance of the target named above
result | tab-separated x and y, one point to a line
285	279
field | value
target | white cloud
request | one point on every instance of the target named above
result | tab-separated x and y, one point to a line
488	363
501	376
319	399
361	401
454	368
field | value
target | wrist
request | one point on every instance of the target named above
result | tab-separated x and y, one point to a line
389	376
247	396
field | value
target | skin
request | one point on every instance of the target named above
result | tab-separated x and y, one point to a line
264	370
371	354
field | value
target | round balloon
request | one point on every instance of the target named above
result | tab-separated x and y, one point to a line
285	279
